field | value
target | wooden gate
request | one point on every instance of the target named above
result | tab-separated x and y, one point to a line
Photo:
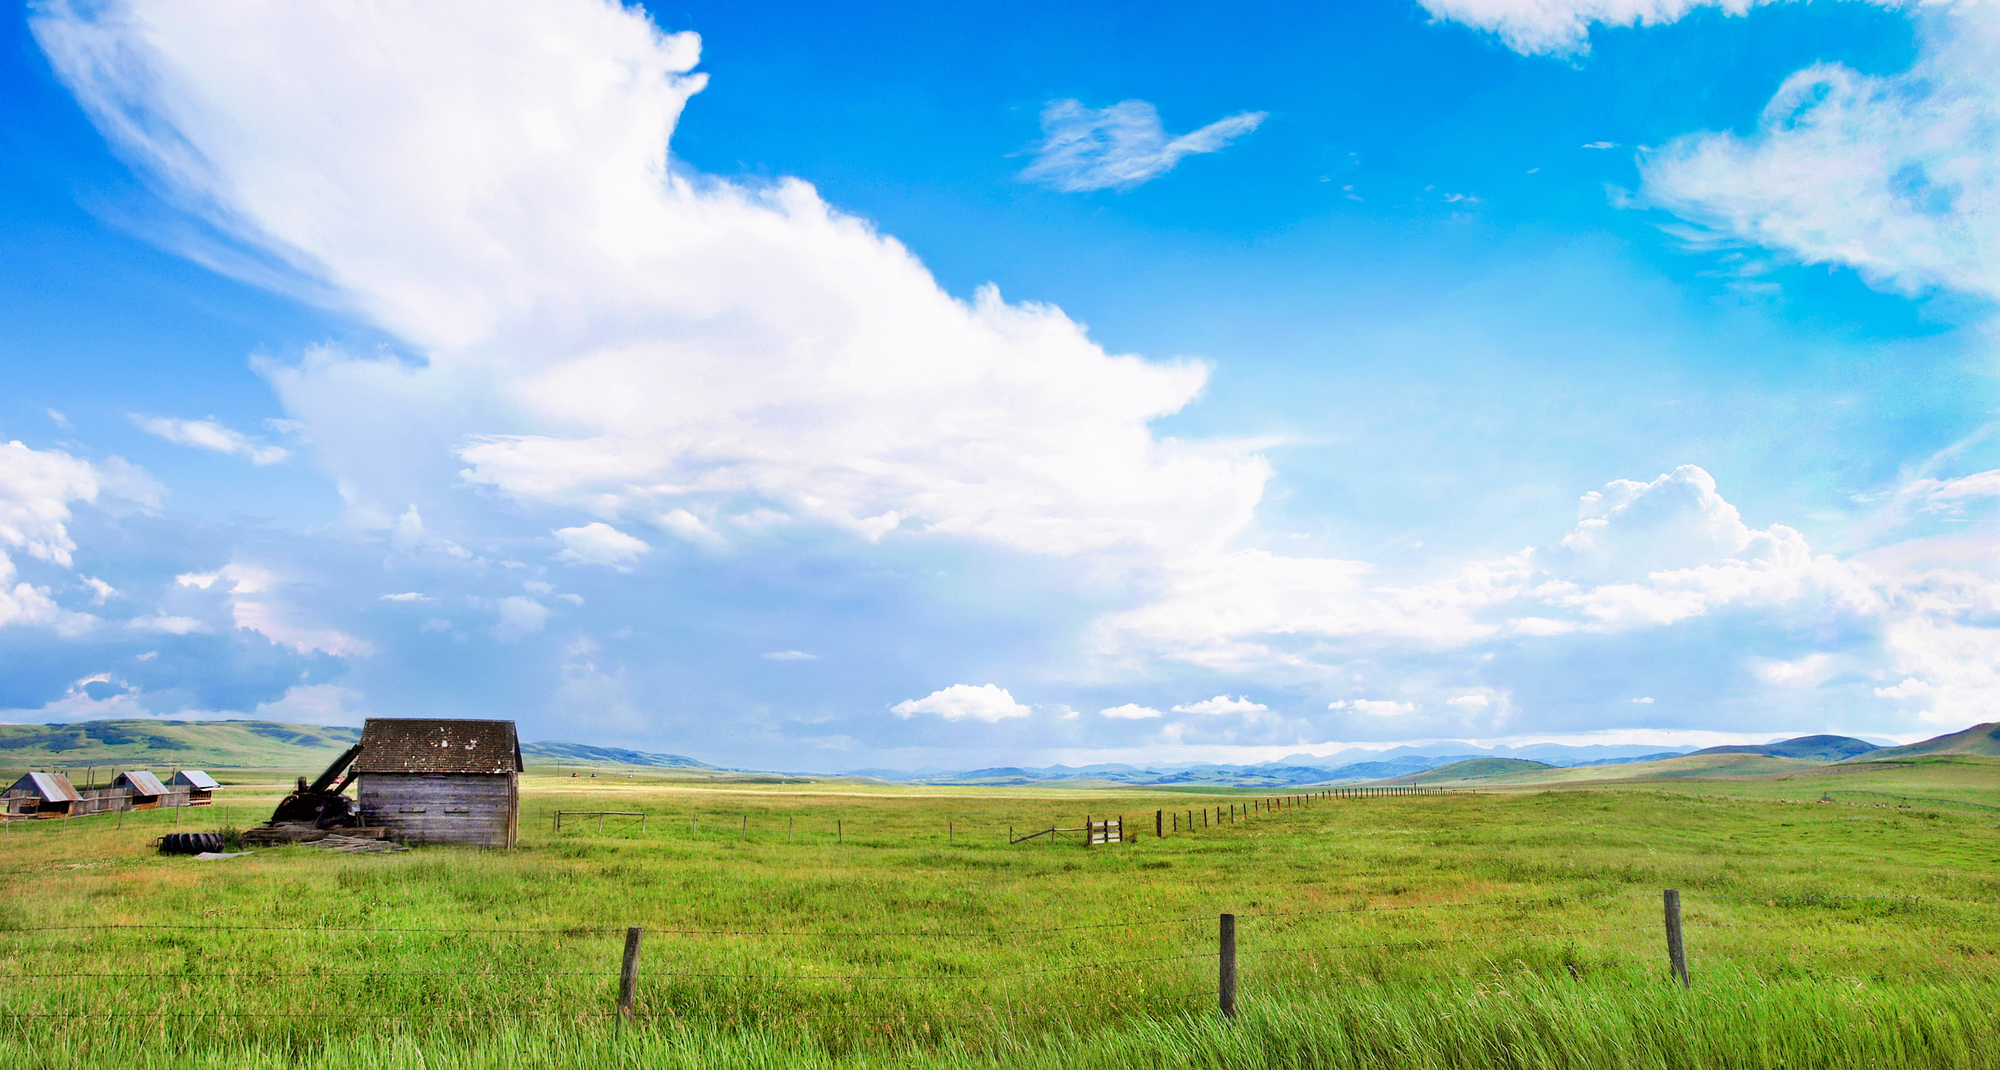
1109	830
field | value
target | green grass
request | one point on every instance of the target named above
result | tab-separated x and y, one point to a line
1517	929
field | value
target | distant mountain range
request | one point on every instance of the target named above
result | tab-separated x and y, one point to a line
1341	767
581	754
303	748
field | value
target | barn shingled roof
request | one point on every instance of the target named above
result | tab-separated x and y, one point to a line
141	781
425	745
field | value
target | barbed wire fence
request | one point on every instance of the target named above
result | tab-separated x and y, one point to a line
748	976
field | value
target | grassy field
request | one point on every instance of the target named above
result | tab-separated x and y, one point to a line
1964	782
853	924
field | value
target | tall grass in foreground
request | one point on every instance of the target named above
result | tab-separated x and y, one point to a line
1515	1023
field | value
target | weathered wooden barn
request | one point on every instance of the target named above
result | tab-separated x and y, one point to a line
441	782
43	795
199	786
143	790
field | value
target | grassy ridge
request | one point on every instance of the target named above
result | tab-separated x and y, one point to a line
172	744
859	925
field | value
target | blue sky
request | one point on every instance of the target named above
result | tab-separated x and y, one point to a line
816	388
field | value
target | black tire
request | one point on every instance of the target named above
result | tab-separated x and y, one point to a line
190	843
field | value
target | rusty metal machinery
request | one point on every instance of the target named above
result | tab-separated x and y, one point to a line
320	803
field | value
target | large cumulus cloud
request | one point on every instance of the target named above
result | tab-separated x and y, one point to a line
595	332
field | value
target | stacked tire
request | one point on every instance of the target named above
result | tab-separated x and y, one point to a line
190	843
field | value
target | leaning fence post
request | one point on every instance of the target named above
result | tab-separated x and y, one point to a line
1676	948
628	974
1227	977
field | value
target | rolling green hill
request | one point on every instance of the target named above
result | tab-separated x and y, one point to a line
212	745
1472	769
1979	739
1514	773
1811	748
173	745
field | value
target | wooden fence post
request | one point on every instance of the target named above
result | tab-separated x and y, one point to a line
840	831
1159	824
1676	949
1227	978
628	974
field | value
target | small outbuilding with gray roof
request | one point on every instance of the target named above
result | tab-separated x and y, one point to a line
141	786
200	787
42	795
441	781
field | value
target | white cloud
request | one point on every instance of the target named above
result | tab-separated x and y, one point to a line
1602	145
790	655
962	702
36	489
1892	175
1131	712
604	333
167	625
1121	146
1562	27
1643	555
210	434
1374	707
1223	704
315	704
259	600
520	617
100	589
407	596
1647	701
1950	495
600	544
58	419
24	604
1469	703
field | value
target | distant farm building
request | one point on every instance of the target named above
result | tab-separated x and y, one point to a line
42	795
441	782
143	790
199	786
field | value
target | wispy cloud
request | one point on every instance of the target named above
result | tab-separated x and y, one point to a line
790	655
1562	27
1891	175
210	434
1222	704
1121	146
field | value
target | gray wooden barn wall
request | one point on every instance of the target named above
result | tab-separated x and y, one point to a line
468	809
